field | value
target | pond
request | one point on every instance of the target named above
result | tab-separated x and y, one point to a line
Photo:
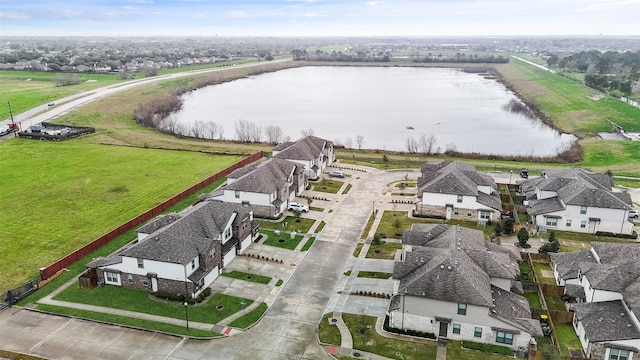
387	108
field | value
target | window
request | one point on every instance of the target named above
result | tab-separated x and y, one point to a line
552	221
568	223
111	277
456	211
227	233
583	210
617	354
237	194
504	338
212	253
583	224
477	332
459	198
145	282
140	263
485	215
462	309
129	278
469	213
193	264
456	328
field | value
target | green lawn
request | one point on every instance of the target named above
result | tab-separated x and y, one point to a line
346	189
356	251
123	320
371	342
28	89
534	300
385	251
308	244
538	266
328	333
78	192
554	303
140	301
567	338
328	186
525	269
457	352
260	279
291	225
320	226
375	274
388	229
250	318
287	243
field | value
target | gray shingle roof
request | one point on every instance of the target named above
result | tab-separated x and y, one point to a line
606	321
266	177
575	187
158	222
514	309
568	262
185	239
307	148
452	264
544	206
457	178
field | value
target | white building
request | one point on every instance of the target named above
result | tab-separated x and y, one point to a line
577	200
314	153
450	282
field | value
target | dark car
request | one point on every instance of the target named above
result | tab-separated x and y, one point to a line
524	174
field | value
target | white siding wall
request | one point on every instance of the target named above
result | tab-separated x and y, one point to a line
611	220
594	295
485	189
546	194
252	197
581	335
228	257
208	280
420	315
164	270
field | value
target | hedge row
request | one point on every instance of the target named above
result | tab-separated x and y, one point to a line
421	334
490	348
182	298
634	235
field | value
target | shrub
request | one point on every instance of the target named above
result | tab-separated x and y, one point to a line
490	348
421	334
523	237
634	235
508	227
498	229
550	247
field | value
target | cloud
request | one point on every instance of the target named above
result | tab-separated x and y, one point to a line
238	14
313	15
607	5
67	13
199	15
129	7
14	15
375	3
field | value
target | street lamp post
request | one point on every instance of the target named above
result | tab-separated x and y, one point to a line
510	174
186	313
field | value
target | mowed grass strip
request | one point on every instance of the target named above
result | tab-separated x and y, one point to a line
141	301
28	89
57	197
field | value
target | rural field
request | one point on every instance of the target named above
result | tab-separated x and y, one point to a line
58	196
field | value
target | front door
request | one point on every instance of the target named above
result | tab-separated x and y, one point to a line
448	213
154	284
444	327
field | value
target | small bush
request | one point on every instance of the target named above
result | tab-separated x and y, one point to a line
421	334
497	349
634	235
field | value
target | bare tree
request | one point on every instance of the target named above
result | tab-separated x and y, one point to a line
359	141
274	133
307	132
412	145
211	130
198	129
220	132
256	133
427	143
348	143
243	130
451	147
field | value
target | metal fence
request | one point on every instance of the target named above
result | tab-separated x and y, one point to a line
16	294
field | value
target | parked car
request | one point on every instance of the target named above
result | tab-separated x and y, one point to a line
524	174
298	206
51	104
633	213
338	174
4	129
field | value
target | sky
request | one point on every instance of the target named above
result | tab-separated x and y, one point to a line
319	17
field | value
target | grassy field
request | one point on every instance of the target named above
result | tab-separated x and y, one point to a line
302	226
28	89
288	243
567	338
57	197
260	279
250	318
534	300
328	333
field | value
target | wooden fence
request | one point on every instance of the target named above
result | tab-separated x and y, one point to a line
50	270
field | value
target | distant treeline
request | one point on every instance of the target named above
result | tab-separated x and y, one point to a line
608	71
462	58
359	56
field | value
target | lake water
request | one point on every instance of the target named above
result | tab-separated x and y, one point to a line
384	105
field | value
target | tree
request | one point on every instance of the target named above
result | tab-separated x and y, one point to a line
309	201
274	133
359	141
402	186
397	224
307	132
385	160
412	145
523	237
553	246
498	229
296	214
508	227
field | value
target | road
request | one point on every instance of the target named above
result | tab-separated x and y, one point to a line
534	64
45	113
